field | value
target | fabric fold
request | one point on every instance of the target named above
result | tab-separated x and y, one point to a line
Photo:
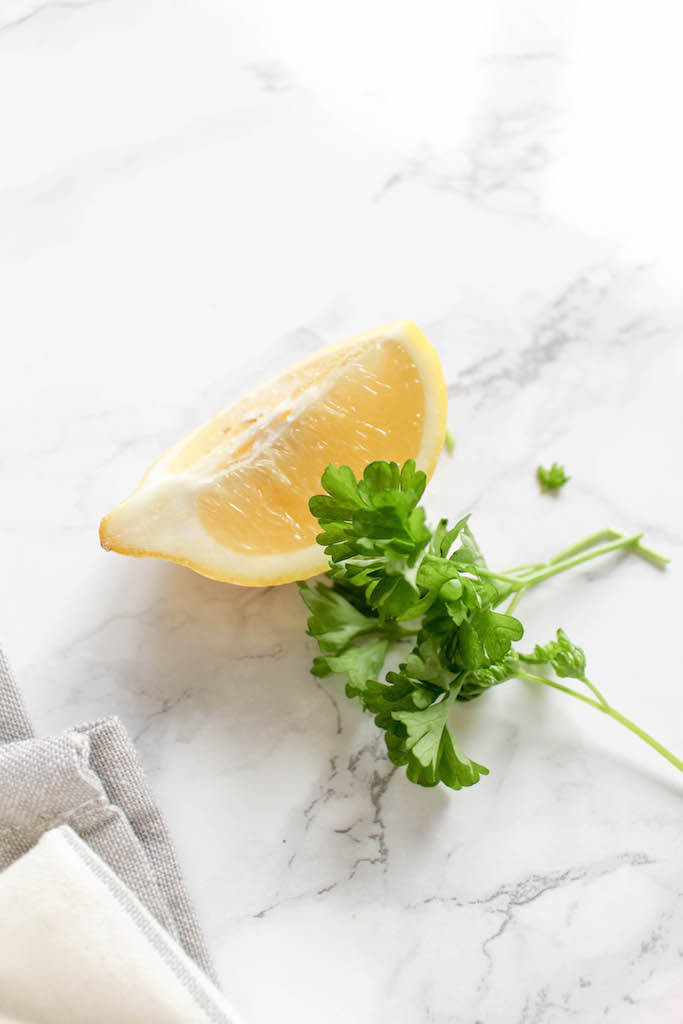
14	722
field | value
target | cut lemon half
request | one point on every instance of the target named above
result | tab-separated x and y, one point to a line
231	499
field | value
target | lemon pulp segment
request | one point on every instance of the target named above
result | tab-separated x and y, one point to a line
260	502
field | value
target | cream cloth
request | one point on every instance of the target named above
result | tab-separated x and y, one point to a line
76	946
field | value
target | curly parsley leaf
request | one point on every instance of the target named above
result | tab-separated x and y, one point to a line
496	632
334	622
552	479
374	533
486	637
566	659
362	663
423	743
398	694
476	681
425	664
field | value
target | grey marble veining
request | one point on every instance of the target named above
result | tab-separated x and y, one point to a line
193	194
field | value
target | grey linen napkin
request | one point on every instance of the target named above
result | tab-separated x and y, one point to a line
14	722
89	778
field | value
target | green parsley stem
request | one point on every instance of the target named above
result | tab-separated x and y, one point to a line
612	712
515	601
554	567
393	632
586	542
609	533
560	686
594	689
568	563
603	700
576	554
661	561
528	567
488	574
618	717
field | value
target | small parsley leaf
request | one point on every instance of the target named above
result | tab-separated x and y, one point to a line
552	479
426	665
342	498
424	744
335	621
565	658
361	662
475	681
496	632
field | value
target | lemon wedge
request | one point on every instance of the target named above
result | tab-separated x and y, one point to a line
230	500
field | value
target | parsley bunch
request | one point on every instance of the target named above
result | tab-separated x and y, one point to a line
392	580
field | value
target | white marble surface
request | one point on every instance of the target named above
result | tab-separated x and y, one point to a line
191	191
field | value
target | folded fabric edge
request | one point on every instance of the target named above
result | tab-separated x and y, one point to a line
207	997
116	762
14	721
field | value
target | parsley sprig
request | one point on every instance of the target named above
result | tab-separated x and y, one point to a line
392	580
